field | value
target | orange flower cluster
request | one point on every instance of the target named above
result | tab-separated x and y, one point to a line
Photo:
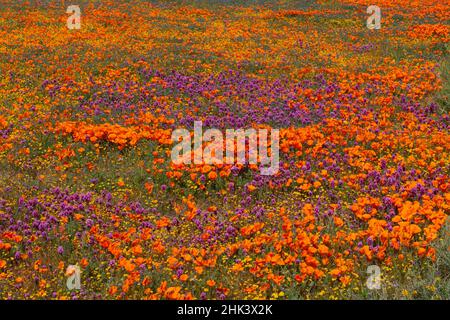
436	32
3	123
297	13
117	134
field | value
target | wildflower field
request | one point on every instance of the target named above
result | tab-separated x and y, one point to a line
86	177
